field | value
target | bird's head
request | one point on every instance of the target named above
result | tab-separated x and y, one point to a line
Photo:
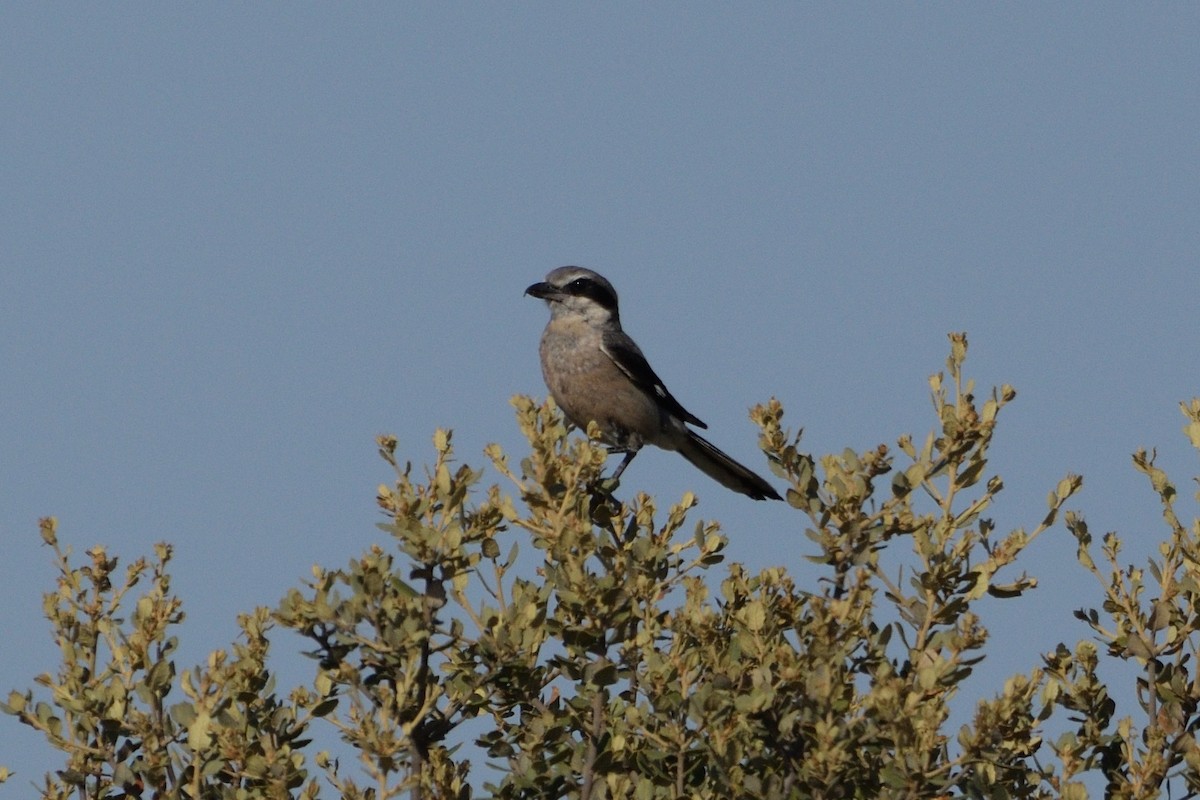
576	291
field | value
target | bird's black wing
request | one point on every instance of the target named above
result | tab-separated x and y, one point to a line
628	357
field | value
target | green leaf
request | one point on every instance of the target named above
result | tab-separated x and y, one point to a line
184	714
16	703
200	736
490	548
755	616
324	707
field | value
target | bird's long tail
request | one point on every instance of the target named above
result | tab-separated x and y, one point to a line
727	472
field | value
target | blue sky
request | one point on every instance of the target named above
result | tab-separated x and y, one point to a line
240	241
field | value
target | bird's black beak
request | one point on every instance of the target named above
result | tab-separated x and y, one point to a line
541	290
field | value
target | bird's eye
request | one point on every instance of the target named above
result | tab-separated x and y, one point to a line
589	288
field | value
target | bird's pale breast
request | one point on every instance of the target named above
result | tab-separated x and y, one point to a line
588	386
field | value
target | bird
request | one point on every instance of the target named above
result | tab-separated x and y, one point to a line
596	373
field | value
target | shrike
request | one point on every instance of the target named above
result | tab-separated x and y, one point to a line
596	373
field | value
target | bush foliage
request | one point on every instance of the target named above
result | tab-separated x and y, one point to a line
623	658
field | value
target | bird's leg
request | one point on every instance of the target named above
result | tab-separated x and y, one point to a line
629	444
629	454
630	449
606	486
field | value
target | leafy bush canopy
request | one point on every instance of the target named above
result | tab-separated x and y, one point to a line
550	640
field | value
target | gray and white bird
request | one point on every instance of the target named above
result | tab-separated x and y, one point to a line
596	373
